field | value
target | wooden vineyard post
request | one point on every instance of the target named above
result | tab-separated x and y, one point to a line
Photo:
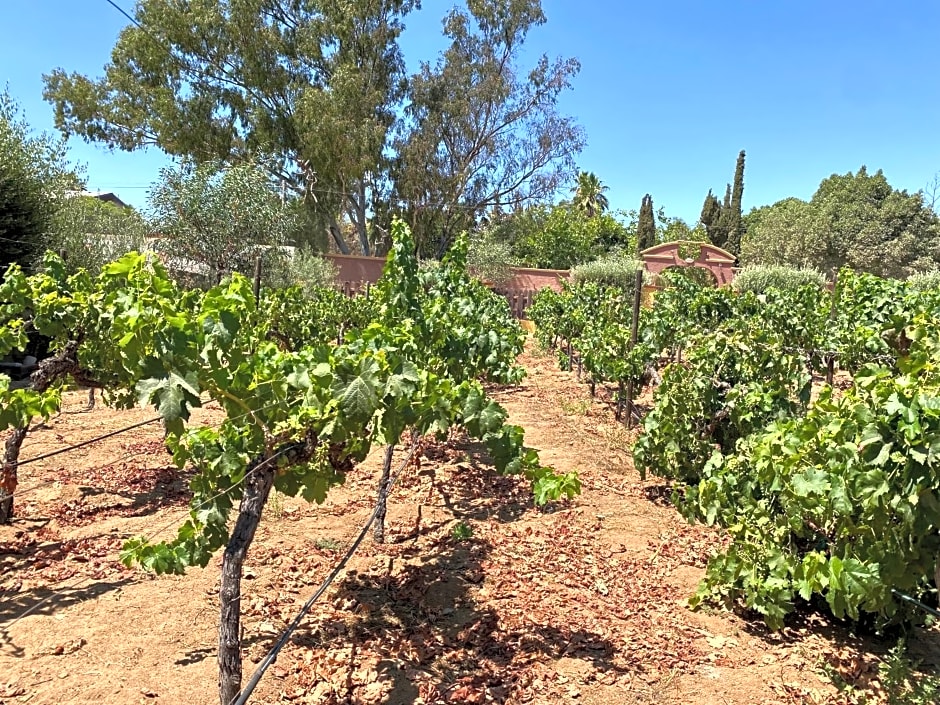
634	333
257	284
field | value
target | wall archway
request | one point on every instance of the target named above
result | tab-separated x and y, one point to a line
700	275
678	254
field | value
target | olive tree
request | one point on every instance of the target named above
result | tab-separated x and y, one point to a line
212	220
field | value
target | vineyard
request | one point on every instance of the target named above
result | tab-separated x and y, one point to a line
796	432
826	487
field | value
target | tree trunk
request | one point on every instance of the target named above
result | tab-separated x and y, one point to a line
8	479
260	475
257	488
382	502
357	213
337	236
383	242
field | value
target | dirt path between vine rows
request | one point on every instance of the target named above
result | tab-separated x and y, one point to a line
479	597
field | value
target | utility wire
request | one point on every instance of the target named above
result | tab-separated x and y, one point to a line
75	581
285	637
154	534
21	493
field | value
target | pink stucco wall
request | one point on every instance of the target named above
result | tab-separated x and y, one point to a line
525	279
353	269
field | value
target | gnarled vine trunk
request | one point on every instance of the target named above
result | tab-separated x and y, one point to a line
259	481
8	480
258	486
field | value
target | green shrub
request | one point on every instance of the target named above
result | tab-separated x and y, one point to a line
611	270
760	278
305	268
490	260
925	281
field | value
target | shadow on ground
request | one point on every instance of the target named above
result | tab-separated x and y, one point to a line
418	613
45	601
412	624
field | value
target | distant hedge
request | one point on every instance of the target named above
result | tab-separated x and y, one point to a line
612	270
760	278
925	281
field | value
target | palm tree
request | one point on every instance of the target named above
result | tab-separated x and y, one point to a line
589	194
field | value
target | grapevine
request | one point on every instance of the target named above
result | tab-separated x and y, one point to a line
298	416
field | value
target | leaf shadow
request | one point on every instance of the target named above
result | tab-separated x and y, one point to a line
432	637
44	602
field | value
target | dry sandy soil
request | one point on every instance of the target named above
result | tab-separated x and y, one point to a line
584	602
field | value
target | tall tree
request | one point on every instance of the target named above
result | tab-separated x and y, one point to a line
312	86
589	194
711	218
719	234
480	131
723	220
646	225
735	219
34	177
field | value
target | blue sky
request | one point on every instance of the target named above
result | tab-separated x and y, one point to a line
668	93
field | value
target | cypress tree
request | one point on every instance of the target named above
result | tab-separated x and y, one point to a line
710	209
724	220
646	225
736	214
711	217
719	233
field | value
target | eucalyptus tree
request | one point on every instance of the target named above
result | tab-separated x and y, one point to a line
480	131
312	85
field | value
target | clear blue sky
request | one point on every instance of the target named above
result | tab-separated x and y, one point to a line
669	90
